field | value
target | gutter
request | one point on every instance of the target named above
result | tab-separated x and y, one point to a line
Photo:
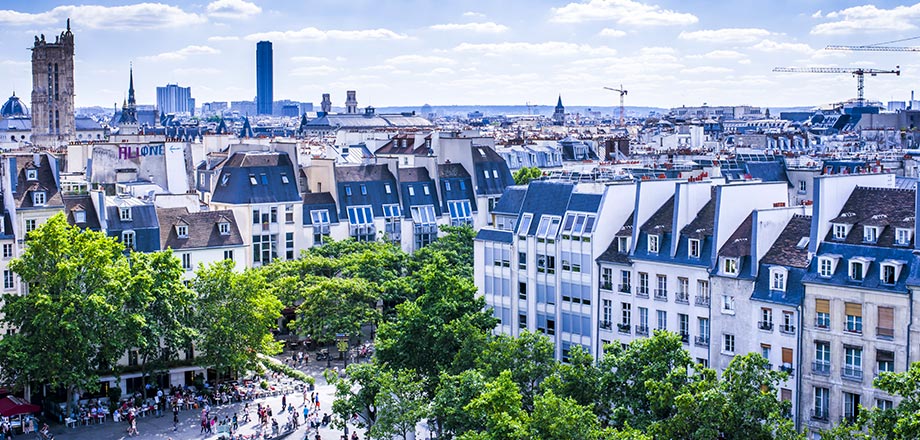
910	322
798	379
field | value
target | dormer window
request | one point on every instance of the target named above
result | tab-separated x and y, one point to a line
425	189
858	269
653	244
124	213
622	245
870	234
225	179
890	271
363	189
730	266
447	186
224	228
778	279
252	180
902	236
38	198
694	248
347	190
79	216
31	174
386	187
411	191
284	178
840	231
182	231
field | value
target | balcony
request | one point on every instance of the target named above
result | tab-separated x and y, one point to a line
642	330
682	298
661	295
606	285
819	414
821	368
851	373
642	293
702	301
606	325
685	338
625	288
823	324
623	328
853	329
702	341
787	329
765	325
787	369
884	333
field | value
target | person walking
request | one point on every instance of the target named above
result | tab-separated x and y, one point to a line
175	418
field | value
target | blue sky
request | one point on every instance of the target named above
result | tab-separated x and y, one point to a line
665	52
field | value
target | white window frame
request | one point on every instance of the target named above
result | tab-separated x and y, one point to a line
224	228
902	236
31	174
39	198
653	244
187	261
862	264
79	216
778	278
728	343
730	266
870	234
840	231
182	231
124	213
693	248
9	280
826	267
728	304
524	225
129	239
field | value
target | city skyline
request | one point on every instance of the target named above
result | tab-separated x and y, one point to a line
666	53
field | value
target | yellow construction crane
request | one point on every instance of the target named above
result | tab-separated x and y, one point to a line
858	72
622	93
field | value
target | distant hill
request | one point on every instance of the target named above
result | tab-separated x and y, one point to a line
545	110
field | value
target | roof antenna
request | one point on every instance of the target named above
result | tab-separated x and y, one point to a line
68	24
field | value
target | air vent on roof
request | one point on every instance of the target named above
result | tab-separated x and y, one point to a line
803	242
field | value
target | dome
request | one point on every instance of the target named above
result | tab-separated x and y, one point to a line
13	107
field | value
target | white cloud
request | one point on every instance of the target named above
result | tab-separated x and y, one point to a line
473	14
719	55
485	27
131	17
218	38
182	54
314	71
726	35
773	46
708	70
312	33
308	59
549	48
624	12
613	33
817	14
233	9
869	18
420	59
196	71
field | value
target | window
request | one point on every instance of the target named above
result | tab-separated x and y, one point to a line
182	231
884	361
228	254
661	291
255	216
284	178
683	290
411	191
363	189
765	350
730	266
825	267
902	236
426	190
643	321
788	325
124	213
607	278
548	228
857	270
884	404
694	248
224	228
662	320
822	358
885	328
703	338
289	213
522	260
38	198
264	178
728	343
623	245
446	186
264	248
524	226
870	234
522	291
643	284
840	232
702	292
803	185
853	317
8	279
850	406
386	187
683	326
778	279
460	212
7	250
132	358
289	245
252	180
627	315
653	244
31	174
360	215
187	261
728	304
852	367
766	319
625	281
79	216
347	190
127	238
522	320
495	174
822	313
822	399
274	214
31	224
546	263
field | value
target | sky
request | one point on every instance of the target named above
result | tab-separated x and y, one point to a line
665	53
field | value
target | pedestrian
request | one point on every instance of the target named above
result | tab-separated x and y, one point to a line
283	402
175	418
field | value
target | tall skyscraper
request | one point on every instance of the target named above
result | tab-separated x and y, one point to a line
175	99
52	90
264	85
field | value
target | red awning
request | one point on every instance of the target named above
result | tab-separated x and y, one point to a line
14	406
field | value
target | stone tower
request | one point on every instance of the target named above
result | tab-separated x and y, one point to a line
559	113
52	90
127	122
351	102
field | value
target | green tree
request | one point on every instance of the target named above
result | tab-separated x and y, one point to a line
524	175
455	247
335	306
356	393
499	409
237	313
901	422
579	379
401	404
158	295
530	358
454	392
558	418
73	322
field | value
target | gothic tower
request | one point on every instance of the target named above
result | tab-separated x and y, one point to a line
52	90
127	123
559	113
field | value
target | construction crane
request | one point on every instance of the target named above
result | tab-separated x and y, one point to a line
858	72
622	93
874	48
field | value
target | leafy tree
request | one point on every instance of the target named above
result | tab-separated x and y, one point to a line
401	404
455	246
74	320
530	358
499	409
236	314
524	175
335	306
558	418
356	393
898	423
578	379
452	396
158	295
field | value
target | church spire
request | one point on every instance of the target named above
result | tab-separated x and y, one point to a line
131	87
559	103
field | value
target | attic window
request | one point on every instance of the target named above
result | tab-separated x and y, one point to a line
840	232
482	152
446	186
902	236
363	190
411	191
224	179
425	189
694	250
347	190
858	269
38	198
252	179
889	273
387	188
264	178
622	245
182	231
495	174
284	179
79	216
803	242
778	279
124	214
870	234
730	266
653	244
826	266
31	174
224	228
